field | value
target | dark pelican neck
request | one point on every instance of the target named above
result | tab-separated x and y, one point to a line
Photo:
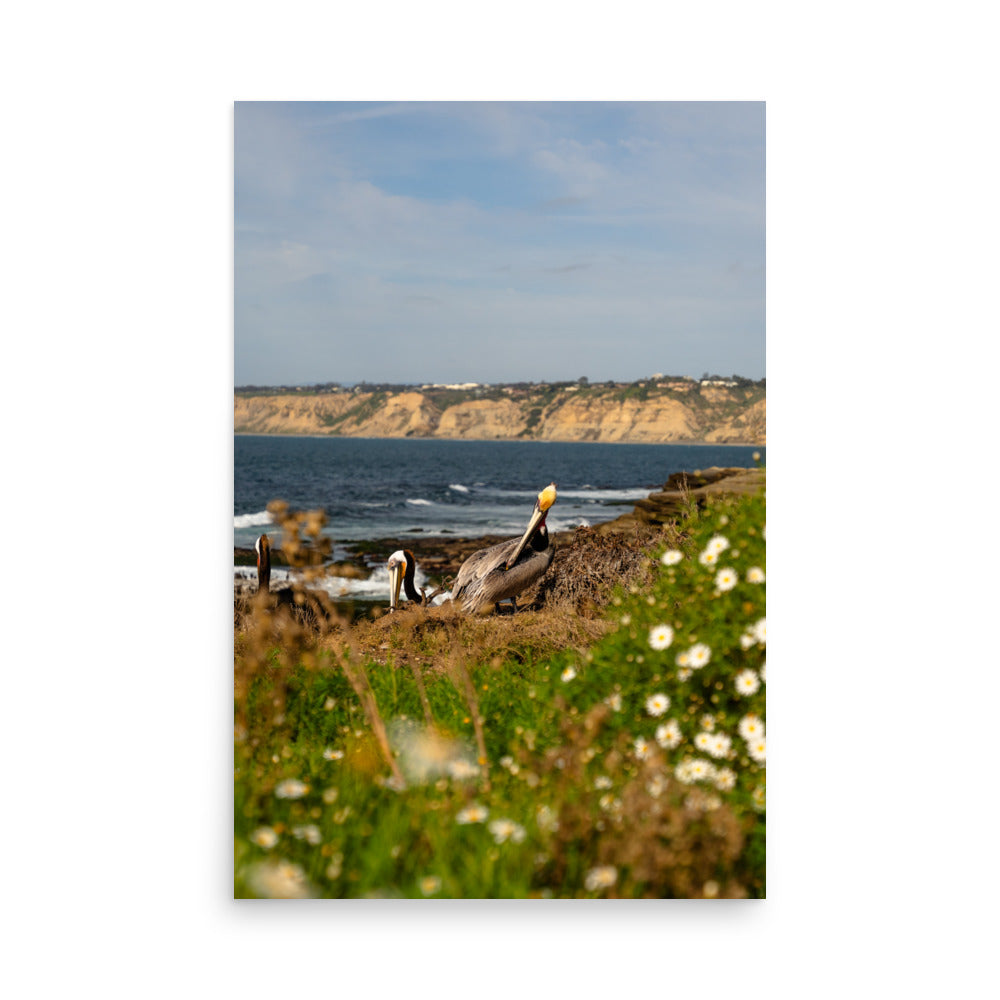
409	588
540	539
263	547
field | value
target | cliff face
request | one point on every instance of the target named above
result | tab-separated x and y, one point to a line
718	415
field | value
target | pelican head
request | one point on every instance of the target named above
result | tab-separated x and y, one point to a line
397	566
545	500
263	549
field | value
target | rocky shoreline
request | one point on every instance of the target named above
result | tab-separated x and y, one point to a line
440	556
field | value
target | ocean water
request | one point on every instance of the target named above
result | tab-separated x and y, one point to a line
399	488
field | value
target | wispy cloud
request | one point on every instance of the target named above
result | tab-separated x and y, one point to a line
352	220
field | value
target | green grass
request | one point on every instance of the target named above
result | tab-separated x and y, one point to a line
566	758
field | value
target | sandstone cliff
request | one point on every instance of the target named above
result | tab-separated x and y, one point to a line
637	415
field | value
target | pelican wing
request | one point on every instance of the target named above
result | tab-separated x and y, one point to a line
480	563
499	583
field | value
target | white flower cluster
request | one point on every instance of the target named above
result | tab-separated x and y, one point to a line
472	814
693	769
669	734
751	728
757	633
506	829
291	788
694	658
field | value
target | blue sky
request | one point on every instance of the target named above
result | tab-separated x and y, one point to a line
495	242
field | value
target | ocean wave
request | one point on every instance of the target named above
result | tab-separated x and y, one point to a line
567	524
260	517
376	587
418	502
459	487
633	493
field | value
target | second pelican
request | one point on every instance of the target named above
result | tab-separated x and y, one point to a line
402	566
503	571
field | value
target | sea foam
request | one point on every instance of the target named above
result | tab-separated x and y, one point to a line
259	517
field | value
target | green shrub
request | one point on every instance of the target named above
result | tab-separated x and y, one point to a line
632	767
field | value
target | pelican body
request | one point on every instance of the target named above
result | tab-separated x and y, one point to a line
503	571
308	606
402	566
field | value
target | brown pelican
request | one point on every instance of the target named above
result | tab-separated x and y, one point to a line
503	571
263	549
308	606
402	566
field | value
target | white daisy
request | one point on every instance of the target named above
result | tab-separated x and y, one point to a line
264	837
430	884
684	674
703	740
610	804
671	557
708	722
698	655
462	770
701	770
725	779
669	734
309	833
758	749
747	640
661	636
291	788
760	631
683	772
601	877
720	745
602	781
751	727
472	814
717	544
330	754
657	704
755	575
506	829
726	578
747	682
641	748
656	785
708	558
567	675
614	702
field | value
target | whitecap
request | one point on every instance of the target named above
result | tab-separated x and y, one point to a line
459	487
259	517
419	502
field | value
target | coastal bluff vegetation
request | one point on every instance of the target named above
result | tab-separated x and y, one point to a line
658	410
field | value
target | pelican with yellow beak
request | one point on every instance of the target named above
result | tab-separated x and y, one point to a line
503	571
402	566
